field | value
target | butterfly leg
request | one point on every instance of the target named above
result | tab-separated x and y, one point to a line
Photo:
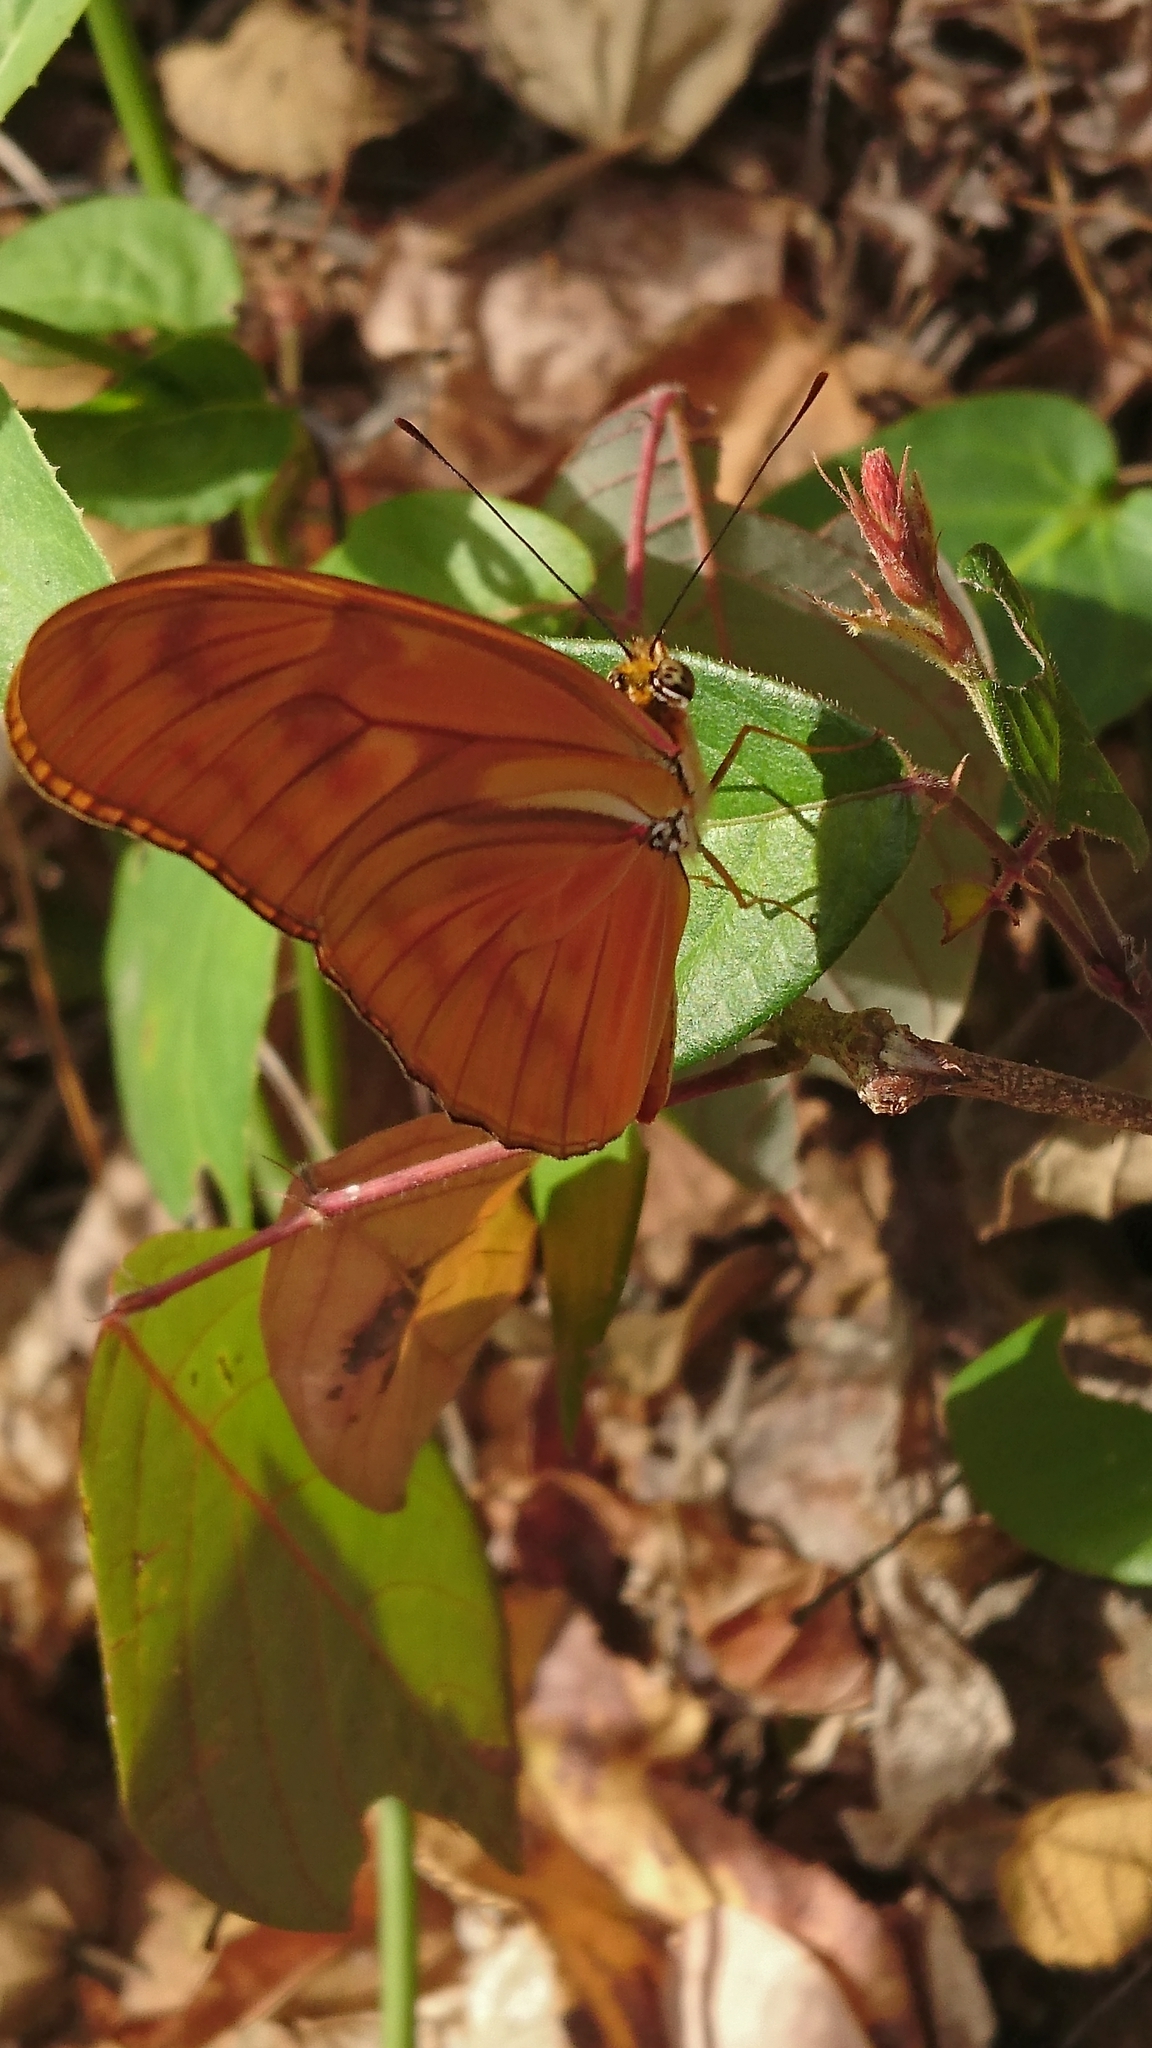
768	733
726	880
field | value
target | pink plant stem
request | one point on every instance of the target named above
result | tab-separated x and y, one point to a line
661	400
710	573
323	1207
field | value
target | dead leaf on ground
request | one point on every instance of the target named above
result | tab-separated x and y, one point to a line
805	1900
611	1961
372	1322
962	2013
646	1350
282	94
1077	1883
53	1893
141	551
737	1983
687	1197
609	67
940	1720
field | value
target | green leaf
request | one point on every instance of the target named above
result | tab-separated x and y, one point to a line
765	569
29	32
588	1210
448	546
1035	475
189	977
277	1656
1067	1475
1040	732
185	440
107	266
807	819
46	557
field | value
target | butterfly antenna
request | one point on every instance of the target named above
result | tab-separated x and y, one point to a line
414	434
818	384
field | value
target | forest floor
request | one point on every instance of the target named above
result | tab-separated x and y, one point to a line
924	200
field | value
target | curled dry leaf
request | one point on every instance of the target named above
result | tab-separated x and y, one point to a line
941	1720
281	93
738	1983
1077	1882
372	1322
608	67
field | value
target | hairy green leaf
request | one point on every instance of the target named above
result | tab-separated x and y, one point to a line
1040	732
46	557
29	32
809	821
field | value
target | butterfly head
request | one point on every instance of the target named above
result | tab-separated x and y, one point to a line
651	677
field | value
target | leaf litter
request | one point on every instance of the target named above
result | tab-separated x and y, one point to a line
744	1782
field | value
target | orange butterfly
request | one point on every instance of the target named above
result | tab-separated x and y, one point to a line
480	839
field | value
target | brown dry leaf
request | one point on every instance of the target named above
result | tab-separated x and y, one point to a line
940	1720
53	1892
805	1900
52	387
606	68
737	1983
250	1978
281	93
687	1196
612	1962
372	1322
739	1599
140	551
605	1703
645	1350
962	2013
1077	1882
601	1805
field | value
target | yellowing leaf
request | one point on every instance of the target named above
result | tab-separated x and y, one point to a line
1077	1882
372	1321
964	904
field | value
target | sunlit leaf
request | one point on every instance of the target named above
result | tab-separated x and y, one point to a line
29	32
448	546
46	557
1076	1883
110	265
588	1210
277	1656
189	978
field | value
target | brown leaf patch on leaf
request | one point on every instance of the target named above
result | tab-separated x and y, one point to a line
372	1321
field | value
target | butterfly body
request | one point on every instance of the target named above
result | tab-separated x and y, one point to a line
479	837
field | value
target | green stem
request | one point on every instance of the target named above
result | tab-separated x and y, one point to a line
134	96
396	1929
319	1011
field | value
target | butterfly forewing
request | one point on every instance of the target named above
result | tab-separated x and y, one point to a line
452	813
